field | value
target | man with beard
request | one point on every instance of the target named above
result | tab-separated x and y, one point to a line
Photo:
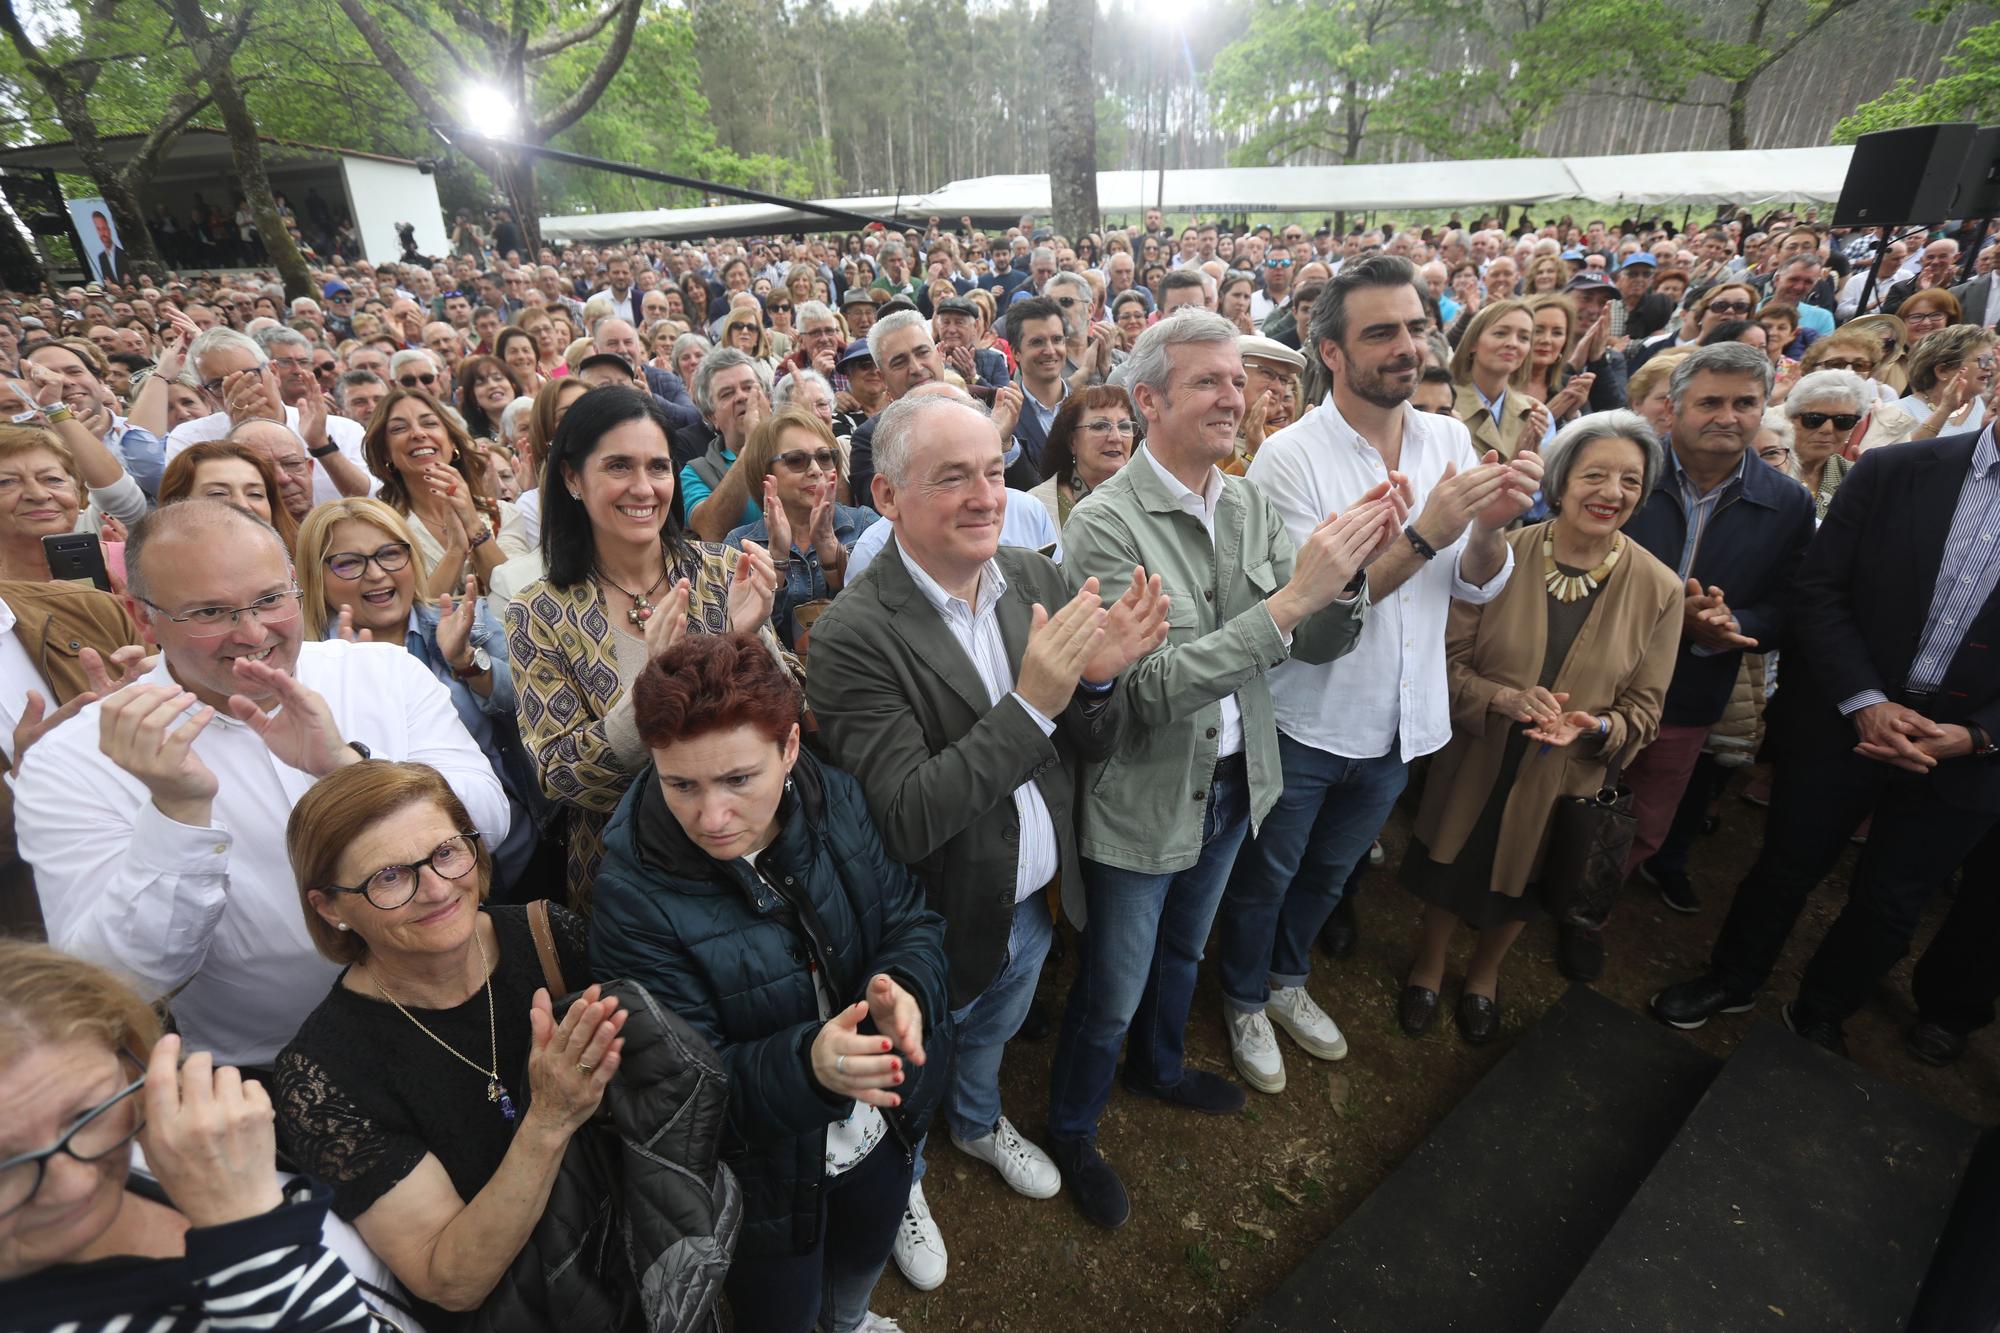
1348	729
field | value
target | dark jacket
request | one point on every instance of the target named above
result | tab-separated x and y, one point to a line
1862	598
690	442
900	704
1750	550
643	1216
1023	474
673	395
733	954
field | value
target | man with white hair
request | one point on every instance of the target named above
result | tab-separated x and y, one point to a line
447	346
617	336
237	374
965	685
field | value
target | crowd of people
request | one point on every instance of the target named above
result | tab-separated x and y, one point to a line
589	754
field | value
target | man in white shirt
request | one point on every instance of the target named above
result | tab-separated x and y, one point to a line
1348	729
236	373
155	820
618	289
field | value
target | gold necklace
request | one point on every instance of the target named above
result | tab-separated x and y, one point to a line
1575	587
495	1090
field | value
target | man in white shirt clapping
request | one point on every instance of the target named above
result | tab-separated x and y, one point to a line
155	819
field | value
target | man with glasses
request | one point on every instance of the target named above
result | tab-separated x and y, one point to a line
237	376
155	819
1092	352
819	346
339	304
956	325
1936	267
1267	302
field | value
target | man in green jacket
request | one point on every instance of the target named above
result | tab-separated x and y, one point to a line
965	685
1162	816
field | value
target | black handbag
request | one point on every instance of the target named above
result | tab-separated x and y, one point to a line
1583	865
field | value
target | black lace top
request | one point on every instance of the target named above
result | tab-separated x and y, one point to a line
363	1094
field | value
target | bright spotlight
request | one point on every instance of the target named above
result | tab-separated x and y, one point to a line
489	112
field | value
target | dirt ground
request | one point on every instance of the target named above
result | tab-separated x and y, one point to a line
1223	1209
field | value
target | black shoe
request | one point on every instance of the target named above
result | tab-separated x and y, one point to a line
1689	1004
1198	1090
1416	1010
1675	891
1089	1180
1478	1018
1579	953
1823	1032
1035	1024
1934	1045
1339	935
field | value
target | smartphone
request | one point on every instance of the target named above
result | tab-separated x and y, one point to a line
76	557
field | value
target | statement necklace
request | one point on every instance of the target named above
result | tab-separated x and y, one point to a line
1575	587
642	606
495	1090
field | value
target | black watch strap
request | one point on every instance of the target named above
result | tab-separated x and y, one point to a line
325	449
361	749
1982	741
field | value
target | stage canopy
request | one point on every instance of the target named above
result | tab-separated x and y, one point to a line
726	220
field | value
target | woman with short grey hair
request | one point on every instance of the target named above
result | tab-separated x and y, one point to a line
1773	444
1828	410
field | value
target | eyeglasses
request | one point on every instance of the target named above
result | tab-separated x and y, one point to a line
292	362
96	1134
1729	307
1937	317
1858	367
211	622
352	564
799	460
1278	261
1840	420
1774	454
1105	425
392	886
779	307
412	381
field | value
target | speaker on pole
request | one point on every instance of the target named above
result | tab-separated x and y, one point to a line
1906	175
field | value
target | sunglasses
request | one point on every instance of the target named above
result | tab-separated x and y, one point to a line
1729	307
1840	420
1858	367
799	460
1278	261
412	381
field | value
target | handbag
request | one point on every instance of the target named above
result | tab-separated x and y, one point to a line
1583	865
545	948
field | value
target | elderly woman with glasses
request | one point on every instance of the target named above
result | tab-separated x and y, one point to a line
1949	374
1562	673
1828	410
1093	435
139	1192
435	1089
794	459
1924	313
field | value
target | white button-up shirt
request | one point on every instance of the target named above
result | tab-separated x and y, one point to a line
18	675
1394	681
215	911
1229	731
977	631
340	430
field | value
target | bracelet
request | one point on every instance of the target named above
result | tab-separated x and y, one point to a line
58	414
485	536
324	450
1603	727
1423	548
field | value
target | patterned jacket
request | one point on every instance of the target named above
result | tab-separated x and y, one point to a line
565	660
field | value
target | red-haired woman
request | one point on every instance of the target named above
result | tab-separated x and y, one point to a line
746	886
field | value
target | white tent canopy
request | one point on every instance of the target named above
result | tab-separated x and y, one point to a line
727	220
1752	177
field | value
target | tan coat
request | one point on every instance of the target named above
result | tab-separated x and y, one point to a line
1619	667
1503	435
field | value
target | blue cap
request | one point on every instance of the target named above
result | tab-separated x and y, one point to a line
1577	255
855	351
335	286
1642	259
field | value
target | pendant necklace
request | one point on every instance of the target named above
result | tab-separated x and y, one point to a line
642	606
1575	587
496	1091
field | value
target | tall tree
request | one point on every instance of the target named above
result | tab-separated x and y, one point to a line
508	55
67	69
1070	28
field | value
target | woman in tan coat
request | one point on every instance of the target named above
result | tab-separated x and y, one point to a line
1564	670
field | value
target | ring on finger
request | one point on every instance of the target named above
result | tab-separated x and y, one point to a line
586	1068
840	1064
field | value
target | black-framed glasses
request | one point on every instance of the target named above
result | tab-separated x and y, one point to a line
798	460
353	564
208	622
1840	420
412	381
93	1136
392	886
1729	307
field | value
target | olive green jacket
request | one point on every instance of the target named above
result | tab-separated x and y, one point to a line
1143	807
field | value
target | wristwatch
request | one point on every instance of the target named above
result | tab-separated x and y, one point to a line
1983	745
361	749
482	662
321	451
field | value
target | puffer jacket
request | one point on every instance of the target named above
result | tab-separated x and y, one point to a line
1738	734
733	953
643	1218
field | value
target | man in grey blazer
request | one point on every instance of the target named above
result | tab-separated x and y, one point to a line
965	687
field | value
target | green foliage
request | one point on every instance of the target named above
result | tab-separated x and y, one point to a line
1969	91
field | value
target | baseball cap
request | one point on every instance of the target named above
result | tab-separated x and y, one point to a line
335	286
1640	260
1576	255
856	351
1589	281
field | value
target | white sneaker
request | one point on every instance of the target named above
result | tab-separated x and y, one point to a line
1254	1047
1376	856
1026	1168
1294	1011
919	1247
877	1323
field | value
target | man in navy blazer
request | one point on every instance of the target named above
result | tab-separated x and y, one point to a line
1890	703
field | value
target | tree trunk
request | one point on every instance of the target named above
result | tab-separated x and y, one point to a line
1073	126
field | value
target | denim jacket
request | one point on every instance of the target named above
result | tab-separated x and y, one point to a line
804	580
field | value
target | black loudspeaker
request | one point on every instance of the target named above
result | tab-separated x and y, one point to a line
1906	175
1979	195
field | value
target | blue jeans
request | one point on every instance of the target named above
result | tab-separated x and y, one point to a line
1140	951
982	1029
1291	875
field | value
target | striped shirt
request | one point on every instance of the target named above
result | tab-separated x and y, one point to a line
263	1273
1966	578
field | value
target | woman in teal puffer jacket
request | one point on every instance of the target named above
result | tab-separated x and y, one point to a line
745	886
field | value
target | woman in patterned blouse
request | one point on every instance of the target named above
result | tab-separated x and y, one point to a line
623	584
